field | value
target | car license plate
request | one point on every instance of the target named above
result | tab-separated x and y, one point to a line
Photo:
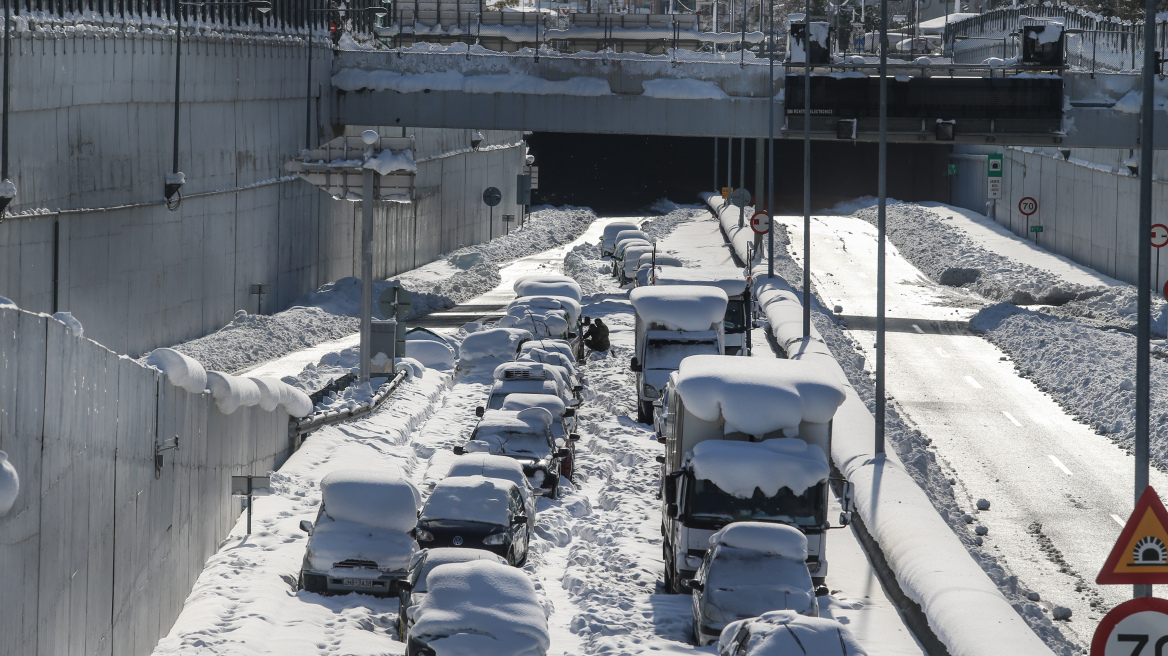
358	583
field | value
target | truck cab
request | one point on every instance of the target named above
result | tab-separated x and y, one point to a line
745	440
737	322
672	324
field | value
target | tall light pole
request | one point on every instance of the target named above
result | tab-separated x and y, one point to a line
807	170
1144	245
8	187
771	149
882	191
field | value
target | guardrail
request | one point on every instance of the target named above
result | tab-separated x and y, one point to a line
318	419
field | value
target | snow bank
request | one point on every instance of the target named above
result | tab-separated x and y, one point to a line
232	392
493	343
70	322
489	466
379	498
758	396
469	498
683	89
9	484
764	537
728	279
430	353
738	468
183	371
680	307
480	608
784	632
566	288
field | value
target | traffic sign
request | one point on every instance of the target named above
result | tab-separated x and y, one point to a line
1027	206
994	166
952	169
1138	627
760	222
740	197
1035	228
492	196
1160	235
1140	555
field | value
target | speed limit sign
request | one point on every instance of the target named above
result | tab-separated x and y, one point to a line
1134	628
1028	206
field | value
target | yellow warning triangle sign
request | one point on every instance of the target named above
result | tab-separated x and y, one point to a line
1140	555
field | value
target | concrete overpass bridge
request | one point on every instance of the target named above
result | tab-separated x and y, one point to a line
725	95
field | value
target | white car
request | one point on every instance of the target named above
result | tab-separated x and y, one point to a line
525	436
508	469
787	633
749	569
608	239
412	589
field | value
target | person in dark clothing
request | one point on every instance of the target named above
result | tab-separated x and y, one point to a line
596	336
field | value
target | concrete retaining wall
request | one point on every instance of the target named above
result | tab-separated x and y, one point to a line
91	139
1088	211
101	549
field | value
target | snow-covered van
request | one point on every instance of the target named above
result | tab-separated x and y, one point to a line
732	281
672	323
608	238
362	539
745	440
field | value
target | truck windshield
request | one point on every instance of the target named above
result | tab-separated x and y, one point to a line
735	321
709	502
668	354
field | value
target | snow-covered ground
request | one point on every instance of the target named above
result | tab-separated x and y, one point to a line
596	554
1058	491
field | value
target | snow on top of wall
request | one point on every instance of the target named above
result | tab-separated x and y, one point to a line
783	632
493	343
729	279
270	393
489	466
764	537
70	322
7	303
738	468
758	396
479	608
680	307
469	498
683	89
388	161
183	371
232	392
355	79
381	498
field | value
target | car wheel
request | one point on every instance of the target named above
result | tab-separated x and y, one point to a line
670	572
644	413
697	635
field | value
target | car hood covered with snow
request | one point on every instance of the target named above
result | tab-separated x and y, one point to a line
334	541
783	632
743	583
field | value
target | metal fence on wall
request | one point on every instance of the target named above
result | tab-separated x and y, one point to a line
113	524
1093	42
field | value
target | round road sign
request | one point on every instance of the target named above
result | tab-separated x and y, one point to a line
761	222
1160	235
492	196
740	197
1028	206
1139	626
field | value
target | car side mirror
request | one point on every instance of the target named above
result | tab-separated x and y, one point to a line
657	404
402	585
573	437
577	388
635	366
570	412
459	450
660	459
695	585
480	411
306	526
563	453
519	519
671	510
845	518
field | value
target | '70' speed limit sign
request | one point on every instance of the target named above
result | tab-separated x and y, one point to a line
1134	628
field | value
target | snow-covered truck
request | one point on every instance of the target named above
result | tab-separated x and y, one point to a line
745	440
672	323
737	323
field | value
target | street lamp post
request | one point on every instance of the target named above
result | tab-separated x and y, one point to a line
882	191
771	148
807	170
8	190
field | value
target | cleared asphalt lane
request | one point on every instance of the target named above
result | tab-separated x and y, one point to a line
1058	491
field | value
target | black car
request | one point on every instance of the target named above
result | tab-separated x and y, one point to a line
412	588
527	437
476	512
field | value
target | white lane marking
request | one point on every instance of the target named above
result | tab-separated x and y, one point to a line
1011	418
1060	465
1118	520
941	352
918	329
971	381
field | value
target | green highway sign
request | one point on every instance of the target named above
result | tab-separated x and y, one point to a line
1035	228
952	169
994	165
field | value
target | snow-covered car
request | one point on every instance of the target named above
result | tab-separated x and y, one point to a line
527	437
478	608
537	354
476	512
361	540
563	423
501	389
557	345
646	271
492	345
630	259
508	469
546	284
567	387
787	633
749	569
412	589
619	252
608	237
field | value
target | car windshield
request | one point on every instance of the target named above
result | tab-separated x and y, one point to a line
735	321
669	354
708	501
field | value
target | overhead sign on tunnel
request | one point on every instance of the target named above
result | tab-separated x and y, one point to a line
1140	555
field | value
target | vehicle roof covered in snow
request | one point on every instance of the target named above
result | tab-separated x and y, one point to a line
469	498
383	498
680	307
729	279
783	632
490	466
493	343
524	421
756	396
616	227
548	286
764	537
552	404
548	302
738	468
